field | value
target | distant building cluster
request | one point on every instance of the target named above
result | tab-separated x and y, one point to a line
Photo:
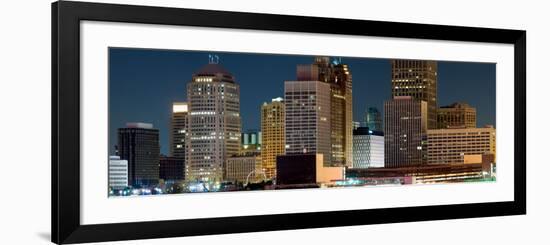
308	136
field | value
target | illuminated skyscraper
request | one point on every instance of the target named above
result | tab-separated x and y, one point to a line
373	119
418	79
456	115
214	122
405	128
273	135
139	144
339	77
307	118
178	130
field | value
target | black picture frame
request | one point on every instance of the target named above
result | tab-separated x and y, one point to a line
66	18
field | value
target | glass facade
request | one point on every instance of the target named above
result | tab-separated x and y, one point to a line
138	143
405	125
373	119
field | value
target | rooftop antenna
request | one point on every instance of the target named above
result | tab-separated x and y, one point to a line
213	59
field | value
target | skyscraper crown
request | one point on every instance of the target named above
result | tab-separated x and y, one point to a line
212	70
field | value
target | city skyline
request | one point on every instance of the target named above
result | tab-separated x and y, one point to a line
144	84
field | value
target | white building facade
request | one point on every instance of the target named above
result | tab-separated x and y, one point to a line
368	148
118	173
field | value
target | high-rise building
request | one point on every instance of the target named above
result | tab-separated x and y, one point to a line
338	75
307	118
214	122
449	146
118	173
178	130
138	143
244	168
171	169
368	148
405	125
418	79
273	135
456	115
373	119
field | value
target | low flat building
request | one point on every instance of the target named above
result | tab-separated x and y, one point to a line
244	168
450	146
171	169
441	173
487	162
299	169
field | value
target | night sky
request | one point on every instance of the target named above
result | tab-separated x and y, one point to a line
143	83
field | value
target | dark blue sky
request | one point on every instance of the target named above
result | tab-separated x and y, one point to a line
143	83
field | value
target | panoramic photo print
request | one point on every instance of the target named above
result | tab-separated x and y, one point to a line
198	121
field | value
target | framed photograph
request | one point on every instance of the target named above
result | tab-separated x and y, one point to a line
174	122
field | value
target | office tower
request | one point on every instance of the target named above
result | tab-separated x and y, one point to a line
456	115
214	122
418	79
139	144
405	125
373	119
178	130
245	168
118	173
460	145
273	135
338	76
307	118
171	169
368	148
